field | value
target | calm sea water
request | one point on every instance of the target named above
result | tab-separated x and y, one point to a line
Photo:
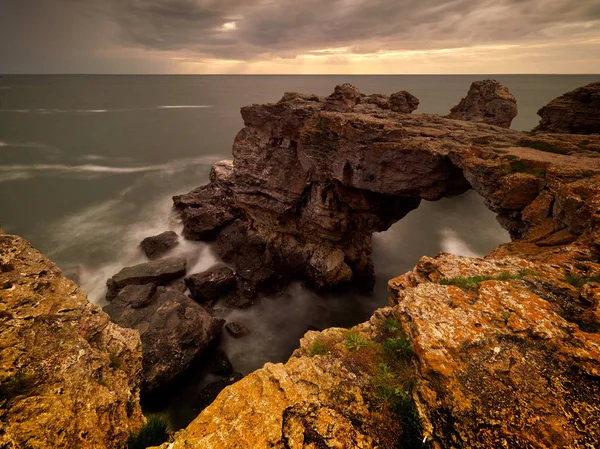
88	165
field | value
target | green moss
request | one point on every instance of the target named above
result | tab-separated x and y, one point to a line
518	166
354	341
153	433
543	146
319	347
115	361
473	281
398	347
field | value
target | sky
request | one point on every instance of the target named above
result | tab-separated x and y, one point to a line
300	36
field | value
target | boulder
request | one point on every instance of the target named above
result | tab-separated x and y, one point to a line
488	101
68	376
158	245
576	112
174	329
237	329
343	99
156	272
212	284
403	102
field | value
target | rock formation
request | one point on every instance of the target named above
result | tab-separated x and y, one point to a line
308	186
68	376
173	328
489	102
576	112
158	245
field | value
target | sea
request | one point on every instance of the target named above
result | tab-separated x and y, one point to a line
88	166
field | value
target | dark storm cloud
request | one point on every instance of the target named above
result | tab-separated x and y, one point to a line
287	27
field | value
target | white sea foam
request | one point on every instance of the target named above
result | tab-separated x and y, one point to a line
452	243
186	106
170	167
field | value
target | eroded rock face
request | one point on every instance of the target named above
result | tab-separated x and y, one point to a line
174	329
310	183
488	101
498	353
575	112
68	376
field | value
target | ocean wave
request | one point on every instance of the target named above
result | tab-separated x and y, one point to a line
188	106
171	167
42	111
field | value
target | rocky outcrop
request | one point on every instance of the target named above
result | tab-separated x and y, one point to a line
68	376
309	185
173	328
575	112
471	353
156	272
158	245
489	102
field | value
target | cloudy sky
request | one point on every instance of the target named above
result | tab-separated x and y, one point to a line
300	36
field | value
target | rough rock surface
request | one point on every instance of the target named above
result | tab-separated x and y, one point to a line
156	272
496	352
309	185
503	351
158	245
68	376
489	102
576	112
237	329
173	328
212	284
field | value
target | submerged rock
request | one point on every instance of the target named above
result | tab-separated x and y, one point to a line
488	101
157	272
212	390
237	329
576	112
158	245
68	376
173	328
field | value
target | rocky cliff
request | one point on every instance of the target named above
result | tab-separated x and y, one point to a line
471	353
68	376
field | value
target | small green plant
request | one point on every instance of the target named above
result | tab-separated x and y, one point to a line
319	347
115	361
579	282
354	341
526	272
543	146
393	325
153	433
398	347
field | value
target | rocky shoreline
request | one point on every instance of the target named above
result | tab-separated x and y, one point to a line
493	352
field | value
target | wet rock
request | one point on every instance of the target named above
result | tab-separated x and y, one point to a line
212	284
174	329
403	102
178	285
158	245
237	329
68	376
219	363
212	390
488	101
575	112
156	272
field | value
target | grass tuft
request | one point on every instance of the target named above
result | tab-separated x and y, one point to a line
354	341
153	433
579	282
319	347
473	281
543	146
